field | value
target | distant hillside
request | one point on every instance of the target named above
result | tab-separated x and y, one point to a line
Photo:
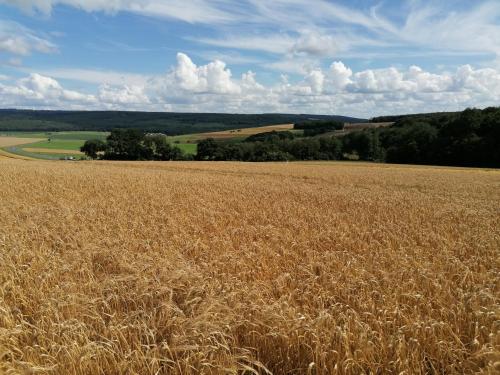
169	123
419	116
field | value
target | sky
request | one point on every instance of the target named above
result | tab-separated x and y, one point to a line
360	58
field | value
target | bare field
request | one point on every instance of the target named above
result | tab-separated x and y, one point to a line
296	268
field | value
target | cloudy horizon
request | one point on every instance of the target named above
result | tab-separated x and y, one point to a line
358	58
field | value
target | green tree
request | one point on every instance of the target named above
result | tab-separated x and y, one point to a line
126	144
366	144
92	147
207	149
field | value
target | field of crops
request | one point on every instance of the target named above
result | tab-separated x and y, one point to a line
230	134
46	145
293	268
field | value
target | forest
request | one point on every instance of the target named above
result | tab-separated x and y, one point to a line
169	123
470	138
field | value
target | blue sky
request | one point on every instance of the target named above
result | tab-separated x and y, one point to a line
360	58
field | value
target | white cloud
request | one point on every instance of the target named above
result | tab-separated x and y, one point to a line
41	91
315	44
277	43
293	65
315	81
303	43
428	82
306	12
122	96
474	29
380	80
482	80
340	75
19	40
212	78
314	28
249	83
99	77
212	88
192	11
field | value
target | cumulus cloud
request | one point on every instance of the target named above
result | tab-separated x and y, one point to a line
481	80
316	80
40	91
123	95
340	75
212	88
380	80
19	40
428	82
211	78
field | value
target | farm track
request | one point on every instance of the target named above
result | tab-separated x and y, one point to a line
218	267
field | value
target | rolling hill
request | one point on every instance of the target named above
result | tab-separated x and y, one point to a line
165	122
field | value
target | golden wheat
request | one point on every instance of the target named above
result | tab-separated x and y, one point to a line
15	141
244	132
183	268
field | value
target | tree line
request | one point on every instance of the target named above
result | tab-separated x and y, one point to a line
133	144
468	138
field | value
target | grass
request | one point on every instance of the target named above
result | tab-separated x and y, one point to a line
289	268
69	135
36	144
58	144
73	140
51	151
43	155
188	148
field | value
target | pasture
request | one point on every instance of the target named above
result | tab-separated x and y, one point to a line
58	144
46	145
292	268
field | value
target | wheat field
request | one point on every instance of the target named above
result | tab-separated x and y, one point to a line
239	268
244	132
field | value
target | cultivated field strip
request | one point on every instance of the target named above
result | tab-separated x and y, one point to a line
245	132
16	141
292	268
